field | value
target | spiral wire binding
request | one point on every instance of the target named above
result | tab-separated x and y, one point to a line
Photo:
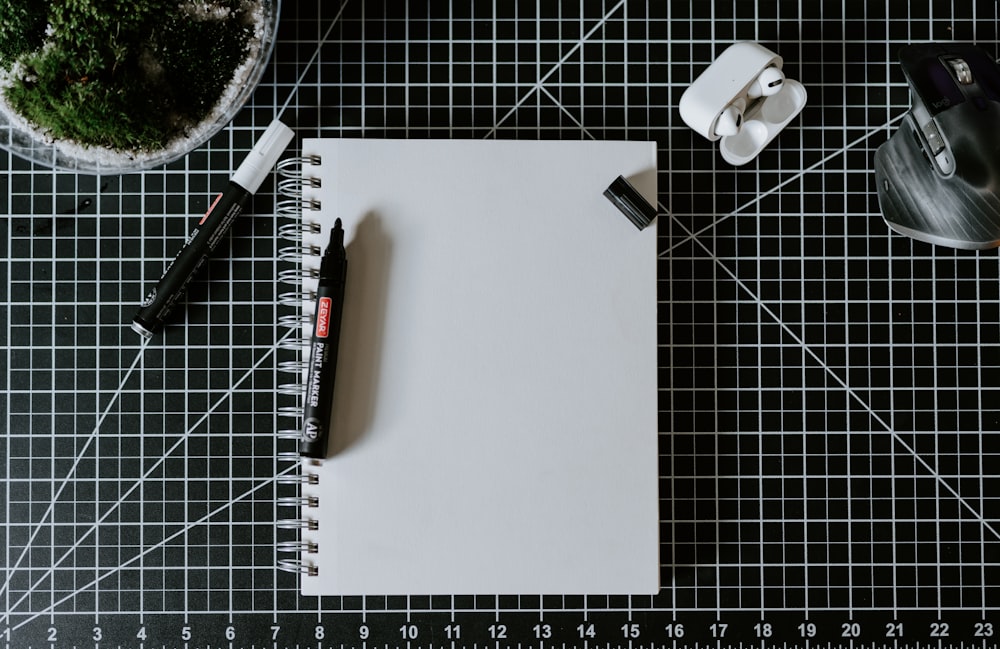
293	206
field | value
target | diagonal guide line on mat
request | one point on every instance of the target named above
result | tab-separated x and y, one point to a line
145	551
693	237
140	481
540	83
854	395
798	175
66	480
311	61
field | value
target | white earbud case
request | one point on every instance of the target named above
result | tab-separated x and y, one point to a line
724	87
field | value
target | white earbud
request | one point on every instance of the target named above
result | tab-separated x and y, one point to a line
768	82
730	119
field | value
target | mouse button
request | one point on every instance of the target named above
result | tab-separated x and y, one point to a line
934	85
961	70
935	143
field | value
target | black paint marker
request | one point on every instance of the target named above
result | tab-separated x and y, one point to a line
323	348
211	229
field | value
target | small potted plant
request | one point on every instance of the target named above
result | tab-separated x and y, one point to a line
114	85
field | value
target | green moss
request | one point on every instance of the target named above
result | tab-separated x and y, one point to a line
22	27
116	110
193	53
127	75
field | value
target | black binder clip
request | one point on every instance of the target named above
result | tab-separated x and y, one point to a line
631	203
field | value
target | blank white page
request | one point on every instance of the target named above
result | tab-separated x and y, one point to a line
495	413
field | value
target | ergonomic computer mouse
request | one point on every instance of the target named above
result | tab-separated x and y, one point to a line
938	176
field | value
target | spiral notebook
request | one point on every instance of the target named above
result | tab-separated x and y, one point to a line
494	425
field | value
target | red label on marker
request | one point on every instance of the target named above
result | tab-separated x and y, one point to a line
323	317
210	208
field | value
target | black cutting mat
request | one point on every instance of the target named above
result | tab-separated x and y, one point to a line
828	417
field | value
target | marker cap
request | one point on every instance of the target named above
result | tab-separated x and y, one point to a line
263	156
631	203
141	329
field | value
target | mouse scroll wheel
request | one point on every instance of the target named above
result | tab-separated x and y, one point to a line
962	71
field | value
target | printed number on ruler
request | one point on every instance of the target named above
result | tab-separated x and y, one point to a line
527	629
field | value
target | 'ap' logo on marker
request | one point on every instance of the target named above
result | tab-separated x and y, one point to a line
311	429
